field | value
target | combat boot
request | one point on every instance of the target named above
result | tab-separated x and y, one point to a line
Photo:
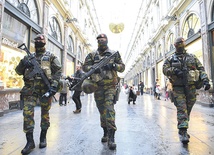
105	136
184	136
30	144
43	142
111	143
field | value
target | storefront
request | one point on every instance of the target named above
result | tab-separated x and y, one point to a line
15	31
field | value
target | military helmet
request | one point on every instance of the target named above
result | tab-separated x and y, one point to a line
179	42
89	86
102	35
40	37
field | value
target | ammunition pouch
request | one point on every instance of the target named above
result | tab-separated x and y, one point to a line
117	94
193	75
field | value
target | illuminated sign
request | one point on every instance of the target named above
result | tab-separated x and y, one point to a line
9	42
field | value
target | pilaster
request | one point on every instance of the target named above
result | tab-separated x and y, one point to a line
46	4
1	20
204	37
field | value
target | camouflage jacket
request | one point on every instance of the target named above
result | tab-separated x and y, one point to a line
53	65
189	64
109	77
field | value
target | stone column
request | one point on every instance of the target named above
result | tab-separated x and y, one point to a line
204	37
206	47
45	17
64	54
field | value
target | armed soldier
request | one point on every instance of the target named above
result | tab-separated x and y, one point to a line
184	70
35	88
103	83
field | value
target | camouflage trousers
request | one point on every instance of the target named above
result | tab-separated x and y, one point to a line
28	112
184	100
105	103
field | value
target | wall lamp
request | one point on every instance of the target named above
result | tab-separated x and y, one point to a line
173	18
70	20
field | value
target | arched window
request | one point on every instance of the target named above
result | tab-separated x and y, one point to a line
70	47
54	29
153	56
144	64
159	54
170	43
79	54
148	61
29	8
191	26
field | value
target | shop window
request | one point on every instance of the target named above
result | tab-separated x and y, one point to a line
54	29
28	7
212	38
191	26
13	33
9	59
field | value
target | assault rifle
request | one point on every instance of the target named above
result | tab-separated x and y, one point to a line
37	70
185	79
99	65
72	81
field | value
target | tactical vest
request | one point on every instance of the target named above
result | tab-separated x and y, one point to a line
192	73
45	64
107	75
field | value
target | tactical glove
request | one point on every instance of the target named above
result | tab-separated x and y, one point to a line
26	63
206	85
52	91
109	66
178	72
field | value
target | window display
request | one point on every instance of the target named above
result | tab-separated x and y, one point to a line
9	59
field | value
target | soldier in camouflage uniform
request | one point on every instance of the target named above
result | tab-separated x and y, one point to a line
106	87
183	70
35	88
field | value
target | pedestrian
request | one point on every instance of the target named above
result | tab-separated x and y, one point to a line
141	87
35	88
131	94
154	88
63	91
183	69
78	89
168	90
103	83
158	91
